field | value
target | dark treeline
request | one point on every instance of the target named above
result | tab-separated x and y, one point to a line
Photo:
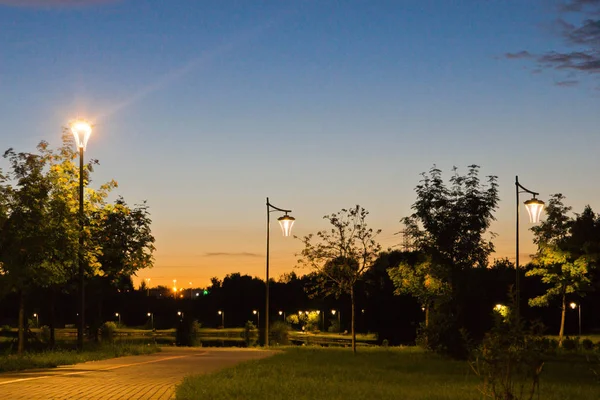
395	318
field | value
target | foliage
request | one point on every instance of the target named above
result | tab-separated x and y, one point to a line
567	252
587	344
44	334
447	229
342	255
188	332
570	344
249	334
279	333
509	361
108	330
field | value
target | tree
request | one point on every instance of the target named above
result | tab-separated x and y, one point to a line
565	254
342	255
448	228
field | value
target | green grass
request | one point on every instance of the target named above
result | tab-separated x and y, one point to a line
51	359
374	373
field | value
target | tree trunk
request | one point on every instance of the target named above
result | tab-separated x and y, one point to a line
426	315
562	319
52	317
353	317
21	344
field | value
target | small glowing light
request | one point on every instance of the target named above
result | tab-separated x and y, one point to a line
286	223
220	312
280	312
534	209
573	305
254	312
149	314
116	314
81	130
333	312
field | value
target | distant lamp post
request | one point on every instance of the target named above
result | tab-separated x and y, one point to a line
534	209
180	315
81	131
151	315
334	312
222	314
37	320
119	317
286	222
578	306
282	315
257	313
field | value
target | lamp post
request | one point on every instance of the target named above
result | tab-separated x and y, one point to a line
37	320
81	131
286	223
119	317
180	315
334	312
578	306
282	315
222	314
147	287
151	315
534	209
257	313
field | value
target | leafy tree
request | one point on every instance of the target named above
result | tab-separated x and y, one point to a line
342	255
565	254
448	228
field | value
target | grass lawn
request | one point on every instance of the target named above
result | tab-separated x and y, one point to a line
374	373
54	358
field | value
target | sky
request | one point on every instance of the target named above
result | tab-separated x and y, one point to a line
205	108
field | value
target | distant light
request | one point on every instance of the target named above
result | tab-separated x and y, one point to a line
573	305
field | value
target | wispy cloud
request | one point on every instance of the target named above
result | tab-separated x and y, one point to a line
570	83
233	254
583	37
54	3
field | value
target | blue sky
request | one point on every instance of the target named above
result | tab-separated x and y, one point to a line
206	108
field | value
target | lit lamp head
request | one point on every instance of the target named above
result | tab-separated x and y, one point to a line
254	312
573	305
534	208
81	130
286	223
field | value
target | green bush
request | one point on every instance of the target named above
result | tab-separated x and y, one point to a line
187	333
279	333
570	344
107	331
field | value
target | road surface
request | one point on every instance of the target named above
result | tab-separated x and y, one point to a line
135	377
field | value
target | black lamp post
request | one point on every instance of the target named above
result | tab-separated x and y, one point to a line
286	223
534	209
81	131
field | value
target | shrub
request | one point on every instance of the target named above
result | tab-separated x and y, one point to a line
250	334
107	331
587	344
187	333
44	334
279	333
570	344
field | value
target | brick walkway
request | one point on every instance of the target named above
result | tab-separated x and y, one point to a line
137	377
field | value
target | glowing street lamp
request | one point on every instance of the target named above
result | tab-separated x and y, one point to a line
339	315
151	315
37	320
534	209
81	131
257	313
180	315
118	316
578	306
286	222
282	315
222	314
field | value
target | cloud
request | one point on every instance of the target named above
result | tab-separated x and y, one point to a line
54	3
582	40
567	83
520	54
226	254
